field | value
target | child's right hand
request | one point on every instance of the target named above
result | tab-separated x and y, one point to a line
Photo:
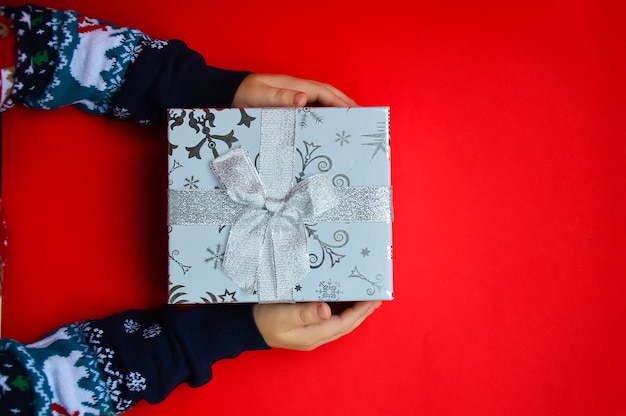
306	326
273	90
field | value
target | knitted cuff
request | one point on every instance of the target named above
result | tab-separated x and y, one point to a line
144	355
167	74
216	332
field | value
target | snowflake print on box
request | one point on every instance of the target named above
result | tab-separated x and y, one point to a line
329	290
342	137
215	257
349	260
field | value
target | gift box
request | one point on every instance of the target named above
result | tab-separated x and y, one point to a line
279	205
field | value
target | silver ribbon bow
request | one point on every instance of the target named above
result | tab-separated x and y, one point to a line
267	210
267	242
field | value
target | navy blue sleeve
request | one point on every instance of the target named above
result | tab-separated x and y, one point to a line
167	74
144	355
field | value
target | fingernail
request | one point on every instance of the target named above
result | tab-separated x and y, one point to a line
299	99
322	311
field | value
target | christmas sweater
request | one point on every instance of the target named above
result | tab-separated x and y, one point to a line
104	367
51	58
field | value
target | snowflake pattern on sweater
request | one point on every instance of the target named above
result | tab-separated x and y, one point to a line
77	371
117	382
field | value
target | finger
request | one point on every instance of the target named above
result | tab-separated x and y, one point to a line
318	93
337	326
324	311
284	97
326	95
312	313
268	91
300	99
340	325
352	317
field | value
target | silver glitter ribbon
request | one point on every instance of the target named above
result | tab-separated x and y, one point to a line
267	210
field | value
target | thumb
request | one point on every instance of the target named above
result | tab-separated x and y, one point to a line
313	313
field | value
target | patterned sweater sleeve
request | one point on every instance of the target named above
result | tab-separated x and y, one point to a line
106	366
49	59
64	58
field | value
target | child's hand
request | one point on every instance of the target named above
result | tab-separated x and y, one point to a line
268	90
306	326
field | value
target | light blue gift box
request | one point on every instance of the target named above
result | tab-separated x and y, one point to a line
279	205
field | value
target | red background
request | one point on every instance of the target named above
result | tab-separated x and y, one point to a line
508	155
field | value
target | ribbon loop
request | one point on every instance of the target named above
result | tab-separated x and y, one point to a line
236	172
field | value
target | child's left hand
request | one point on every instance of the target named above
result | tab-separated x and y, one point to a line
270	90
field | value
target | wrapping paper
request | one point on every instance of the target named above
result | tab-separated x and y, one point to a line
347	261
